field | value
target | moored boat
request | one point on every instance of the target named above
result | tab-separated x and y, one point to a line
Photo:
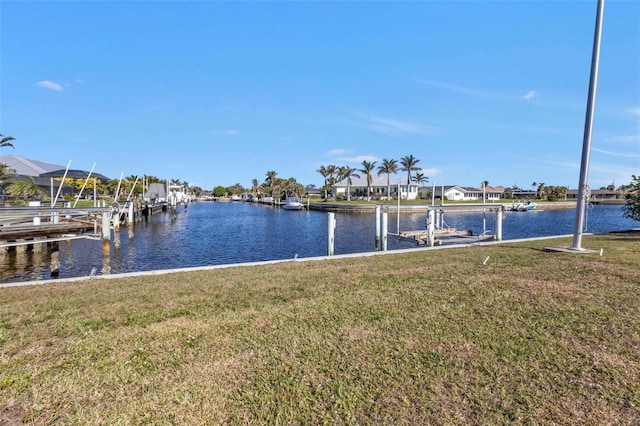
293	203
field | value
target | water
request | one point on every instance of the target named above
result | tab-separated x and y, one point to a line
225	233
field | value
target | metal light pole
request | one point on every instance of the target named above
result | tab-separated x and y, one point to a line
588	128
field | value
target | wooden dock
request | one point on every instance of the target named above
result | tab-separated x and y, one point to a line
29	226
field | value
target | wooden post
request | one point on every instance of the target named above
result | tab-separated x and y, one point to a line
385	225
115	219
377	228
331	228
499	213
431	228
130	218
55	260
106	234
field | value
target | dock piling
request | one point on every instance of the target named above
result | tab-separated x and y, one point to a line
385	218
377	228
331	228
499	214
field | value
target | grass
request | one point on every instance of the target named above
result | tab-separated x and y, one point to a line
420	337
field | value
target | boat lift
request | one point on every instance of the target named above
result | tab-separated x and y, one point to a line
437	232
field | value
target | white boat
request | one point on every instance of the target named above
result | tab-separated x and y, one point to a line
525	207
293	203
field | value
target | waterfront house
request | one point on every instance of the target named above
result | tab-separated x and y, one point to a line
26	169
597	195
462	193
378	188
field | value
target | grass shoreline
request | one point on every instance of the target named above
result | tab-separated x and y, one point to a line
429	336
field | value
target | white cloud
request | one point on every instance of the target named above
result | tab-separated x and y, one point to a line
460	89
46	84
530	95
230	132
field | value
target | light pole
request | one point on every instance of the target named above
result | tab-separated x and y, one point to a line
588	129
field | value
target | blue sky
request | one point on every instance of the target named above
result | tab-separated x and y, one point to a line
215	93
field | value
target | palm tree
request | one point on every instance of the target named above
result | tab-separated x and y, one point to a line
6	140
5	173
26	188
5	176
367	168
388	167
325	174
420	178
255	186
271	177
409	165
562	192
347	173
541	188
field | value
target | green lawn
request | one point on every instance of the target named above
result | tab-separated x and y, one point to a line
432	336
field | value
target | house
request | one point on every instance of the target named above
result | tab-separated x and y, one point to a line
596	195
26	169
44	174
379	187
312	191
460	193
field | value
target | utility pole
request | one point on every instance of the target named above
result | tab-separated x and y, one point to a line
583	189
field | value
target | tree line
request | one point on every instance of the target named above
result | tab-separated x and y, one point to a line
333	174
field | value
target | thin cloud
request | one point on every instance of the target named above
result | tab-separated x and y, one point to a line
46	84
337	152
530	95
623	139
230	132
391	126
468	91
634	112
358	159
616	154
430	173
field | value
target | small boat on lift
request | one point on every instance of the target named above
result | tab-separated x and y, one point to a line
525	207
293	203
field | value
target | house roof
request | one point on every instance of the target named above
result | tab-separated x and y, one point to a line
75	174
44	182
28	167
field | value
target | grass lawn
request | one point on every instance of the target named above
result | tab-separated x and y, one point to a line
412	338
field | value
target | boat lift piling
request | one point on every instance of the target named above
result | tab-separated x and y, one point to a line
385	217
106	234
378	247
331	229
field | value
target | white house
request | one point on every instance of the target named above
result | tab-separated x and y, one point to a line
358	188
460	193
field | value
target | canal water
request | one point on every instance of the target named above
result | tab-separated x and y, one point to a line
209	233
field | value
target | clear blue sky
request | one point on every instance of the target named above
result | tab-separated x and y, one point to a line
215	93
